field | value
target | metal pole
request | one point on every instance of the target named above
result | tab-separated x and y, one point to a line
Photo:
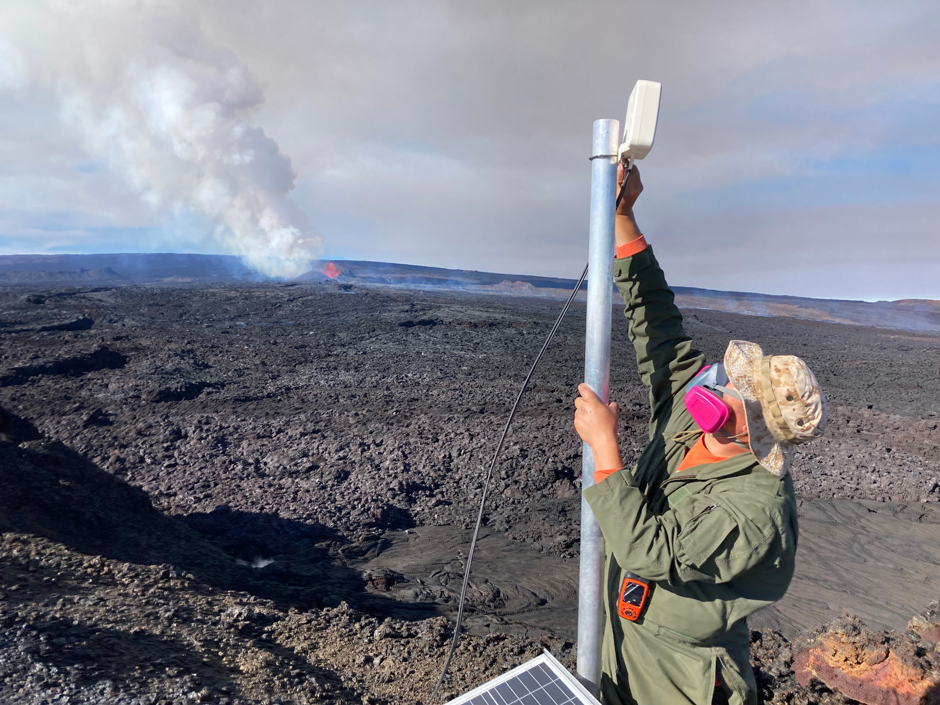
591	594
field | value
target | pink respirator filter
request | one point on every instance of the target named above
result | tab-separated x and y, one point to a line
706	408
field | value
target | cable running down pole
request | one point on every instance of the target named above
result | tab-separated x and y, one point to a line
499	446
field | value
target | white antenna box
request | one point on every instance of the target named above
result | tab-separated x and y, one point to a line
640	124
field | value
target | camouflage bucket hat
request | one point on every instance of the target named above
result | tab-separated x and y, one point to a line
783	404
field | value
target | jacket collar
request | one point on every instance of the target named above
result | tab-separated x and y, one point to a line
737	465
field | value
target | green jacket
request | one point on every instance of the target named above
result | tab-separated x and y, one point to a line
717	541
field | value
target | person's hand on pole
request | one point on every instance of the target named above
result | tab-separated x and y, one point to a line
625	226
596	423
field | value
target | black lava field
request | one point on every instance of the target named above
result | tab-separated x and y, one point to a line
264	492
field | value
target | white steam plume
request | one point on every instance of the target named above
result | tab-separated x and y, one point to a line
152	97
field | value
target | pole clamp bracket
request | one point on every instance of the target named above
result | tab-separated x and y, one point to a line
602	156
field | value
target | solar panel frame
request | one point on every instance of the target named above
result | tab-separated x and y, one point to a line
536	682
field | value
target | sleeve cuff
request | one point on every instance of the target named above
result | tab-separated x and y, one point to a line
629	268
603	491
601	475
632	248
626	475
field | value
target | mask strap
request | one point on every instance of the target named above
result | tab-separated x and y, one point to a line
724	390
734	438
684	436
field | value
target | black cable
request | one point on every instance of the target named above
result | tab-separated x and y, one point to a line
499	447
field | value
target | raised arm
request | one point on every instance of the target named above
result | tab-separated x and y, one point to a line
665	358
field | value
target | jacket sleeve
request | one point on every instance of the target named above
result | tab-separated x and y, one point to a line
665	358
711	538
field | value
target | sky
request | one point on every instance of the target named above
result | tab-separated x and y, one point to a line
797	152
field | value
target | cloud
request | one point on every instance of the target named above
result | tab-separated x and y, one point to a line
457	134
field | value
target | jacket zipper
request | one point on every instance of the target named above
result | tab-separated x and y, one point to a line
705	511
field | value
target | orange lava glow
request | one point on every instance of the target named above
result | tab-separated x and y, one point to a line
331	270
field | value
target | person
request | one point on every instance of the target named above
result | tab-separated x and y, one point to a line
707	519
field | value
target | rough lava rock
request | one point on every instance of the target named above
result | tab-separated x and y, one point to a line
875	668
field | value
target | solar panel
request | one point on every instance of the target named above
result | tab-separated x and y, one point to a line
541	681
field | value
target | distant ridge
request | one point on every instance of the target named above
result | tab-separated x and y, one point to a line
131	268
80	276
127	269
909	314
390	274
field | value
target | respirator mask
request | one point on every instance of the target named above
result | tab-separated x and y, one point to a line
703	398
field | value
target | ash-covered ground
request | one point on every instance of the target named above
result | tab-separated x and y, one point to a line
264	492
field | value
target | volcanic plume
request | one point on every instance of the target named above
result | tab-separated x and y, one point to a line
154	100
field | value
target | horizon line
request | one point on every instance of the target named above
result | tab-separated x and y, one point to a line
451	269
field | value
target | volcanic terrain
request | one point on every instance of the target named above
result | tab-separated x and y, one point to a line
264	492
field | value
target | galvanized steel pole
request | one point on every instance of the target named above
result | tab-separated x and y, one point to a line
591	593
